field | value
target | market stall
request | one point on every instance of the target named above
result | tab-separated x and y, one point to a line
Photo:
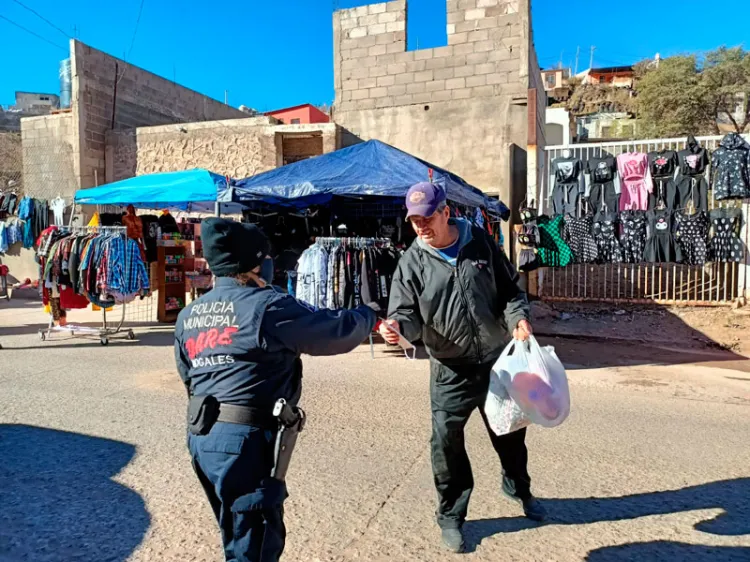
336	222
113	255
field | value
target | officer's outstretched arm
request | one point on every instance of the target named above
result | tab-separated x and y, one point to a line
292	325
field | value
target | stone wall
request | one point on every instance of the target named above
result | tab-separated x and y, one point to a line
460	106
239	147
110	94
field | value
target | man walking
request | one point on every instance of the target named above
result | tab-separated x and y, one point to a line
455	289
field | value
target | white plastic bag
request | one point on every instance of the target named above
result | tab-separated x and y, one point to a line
535	379
503	414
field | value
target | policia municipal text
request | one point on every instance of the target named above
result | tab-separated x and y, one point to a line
238	352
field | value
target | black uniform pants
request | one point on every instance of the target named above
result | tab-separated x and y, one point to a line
233	464
455	392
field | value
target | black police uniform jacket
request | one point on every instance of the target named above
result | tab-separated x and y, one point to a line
463	314
242	344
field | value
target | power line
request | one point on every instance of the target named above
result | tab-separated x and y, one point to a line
33	33
41	17
135	31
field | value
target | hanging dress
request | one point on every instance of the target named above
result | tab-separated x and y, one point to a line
691	235
730	168
660	246
605	234
577	235
635	177
633	238
725	244
692	186
552	251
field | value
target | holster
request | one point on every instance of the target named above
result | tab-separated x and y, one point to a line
291	422
203	411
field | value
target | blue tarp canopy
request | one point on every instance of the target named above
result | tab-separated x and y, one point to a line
372	169
188	190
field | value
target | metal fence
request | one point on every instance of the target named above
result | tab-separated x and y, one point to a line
711	284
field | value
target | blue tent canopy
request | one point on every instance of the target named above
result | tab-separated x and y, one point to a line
371	168
188	190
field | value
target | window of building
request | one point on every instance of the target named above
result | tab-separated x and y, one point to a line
550	80
295	121
44	98
426	24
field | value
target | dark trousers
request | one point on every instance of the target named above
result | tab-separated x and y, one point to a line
455	392
233	463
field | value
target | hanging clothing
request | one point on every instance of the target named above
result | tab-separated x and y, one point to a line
603	187
605	235
150	228
552	250
4	244
730	168
568	185
663	165
725	244
57	206
312	276
633	238
577	234
168	224
9	203
41	216
637	184
660	245
693	159
691	235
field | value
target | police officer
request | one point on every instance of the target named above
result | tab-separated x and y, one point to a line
238	352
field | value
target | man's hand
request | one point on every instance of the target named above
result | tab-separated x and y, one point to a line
523	330
389	335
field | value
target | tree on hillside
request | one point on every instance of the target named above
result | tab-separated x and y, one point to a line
681	96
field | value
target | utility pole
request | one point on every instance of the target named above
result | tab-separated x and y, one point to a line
591	62
226	97
560	63
578	55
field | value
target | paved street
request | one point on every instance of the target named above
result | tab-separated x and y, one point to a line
653	463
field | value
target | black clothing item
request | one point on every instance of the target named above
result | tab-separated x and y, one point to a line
660	246
455	392
9	203
168	224
692	191
601	169
577	235
633	239
694	159
41	217
150	236
725	244
242	344
568	184
110	219
603	199
664	195
691	235
663	163
463	313
232	247
605	234
730	168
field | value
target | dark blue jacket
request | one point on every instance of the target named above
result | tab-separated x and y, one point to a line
242	344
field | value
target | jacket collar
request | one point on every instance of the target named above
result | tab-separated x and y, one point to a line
231	282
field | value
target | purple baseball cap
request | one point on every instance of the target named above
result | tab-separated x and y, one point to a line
423	199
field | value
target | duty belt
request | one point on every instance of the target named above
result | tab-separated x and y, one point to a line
247	415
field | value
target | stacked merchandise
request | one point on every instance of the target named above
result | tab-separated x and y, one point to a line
651	207
339	273
80	266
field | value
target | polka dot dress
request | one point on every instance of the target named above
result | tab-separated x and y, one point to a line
633	235
577	235
691	235
607	242
725	245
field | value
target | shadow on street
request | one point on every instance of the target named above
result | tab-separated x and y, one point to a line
666	550
59	500
731	496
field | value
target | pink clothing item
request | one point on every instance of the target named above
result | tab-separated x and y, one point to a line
635	176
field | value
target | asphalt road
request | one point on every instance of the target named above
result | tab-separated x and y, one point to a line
653	463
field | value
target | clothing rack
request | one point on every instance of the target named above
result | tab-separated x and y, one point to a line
356	241
106	329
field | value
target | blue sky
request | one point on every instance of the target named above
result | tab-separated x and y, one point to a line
272	54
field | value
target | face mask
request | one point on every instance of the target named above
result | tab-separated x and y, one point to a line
266	270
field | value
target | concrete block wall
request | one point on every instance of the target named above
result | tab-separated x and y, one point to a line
463	106
484	56
110	94
238	147
49	154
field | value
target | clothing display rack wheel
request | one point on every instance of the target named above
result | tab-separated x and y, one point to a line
106	329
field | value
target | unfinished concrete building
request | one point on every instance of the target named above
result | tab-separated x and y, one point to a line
464	106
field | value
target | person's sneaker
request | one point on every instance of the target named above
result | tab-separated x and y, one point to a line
532	507
453	539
